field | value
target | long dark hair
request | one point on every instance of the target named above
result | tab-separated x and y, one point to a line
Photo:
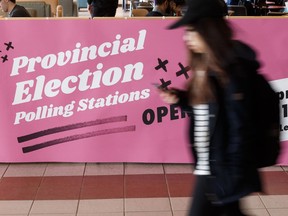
217	35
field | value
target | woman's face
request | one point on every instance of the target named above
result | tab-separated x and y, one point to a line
194	41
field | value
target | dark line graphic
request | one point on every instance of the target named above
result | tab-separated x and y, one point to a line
77	137
70	127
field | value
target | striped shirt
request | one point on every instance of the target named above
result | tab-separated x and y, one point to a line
201	138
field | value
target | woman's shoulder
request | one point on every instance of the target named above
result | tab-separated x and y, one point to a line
244	51
246	62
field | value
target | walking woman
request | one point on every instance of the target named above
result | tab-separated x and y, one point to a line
219	97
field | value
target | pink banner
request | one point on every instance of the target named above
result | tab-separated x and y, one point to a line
82	90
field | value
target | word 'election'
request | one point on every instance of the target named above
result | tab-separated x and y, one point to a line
35	89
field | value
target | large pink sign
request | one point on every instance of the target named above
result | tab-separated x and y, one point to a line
82	90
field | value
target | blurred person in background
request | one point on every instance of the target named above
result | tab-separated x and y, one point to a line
102	8
219	99
176	7
13	10
160	8
232	2
167	8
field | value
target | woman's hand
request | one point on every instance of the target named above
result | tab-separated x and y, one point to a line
168	96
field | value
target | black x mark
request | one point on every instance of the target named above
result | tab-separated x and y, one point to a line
9	45
162	64
165	84
4	58
183	71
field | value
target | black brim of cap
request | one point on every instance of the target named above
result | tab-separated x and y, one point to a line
176	24
198	9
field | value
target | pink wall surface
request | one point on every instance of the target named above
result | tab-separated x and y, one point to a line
82	90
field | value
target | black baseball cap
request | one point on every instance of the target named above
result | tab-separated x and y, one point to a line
198	9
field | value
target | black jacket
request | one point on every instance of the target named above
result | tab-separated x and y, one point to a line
233	173
19	11
155	13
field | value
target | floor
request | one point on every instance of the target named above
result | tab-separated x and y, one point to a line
119	189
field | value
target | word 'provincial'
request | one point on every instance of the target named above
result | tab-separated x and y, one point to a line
42	86
79	54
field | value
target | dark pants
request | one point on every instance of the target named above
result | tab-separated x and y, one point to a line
201	206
